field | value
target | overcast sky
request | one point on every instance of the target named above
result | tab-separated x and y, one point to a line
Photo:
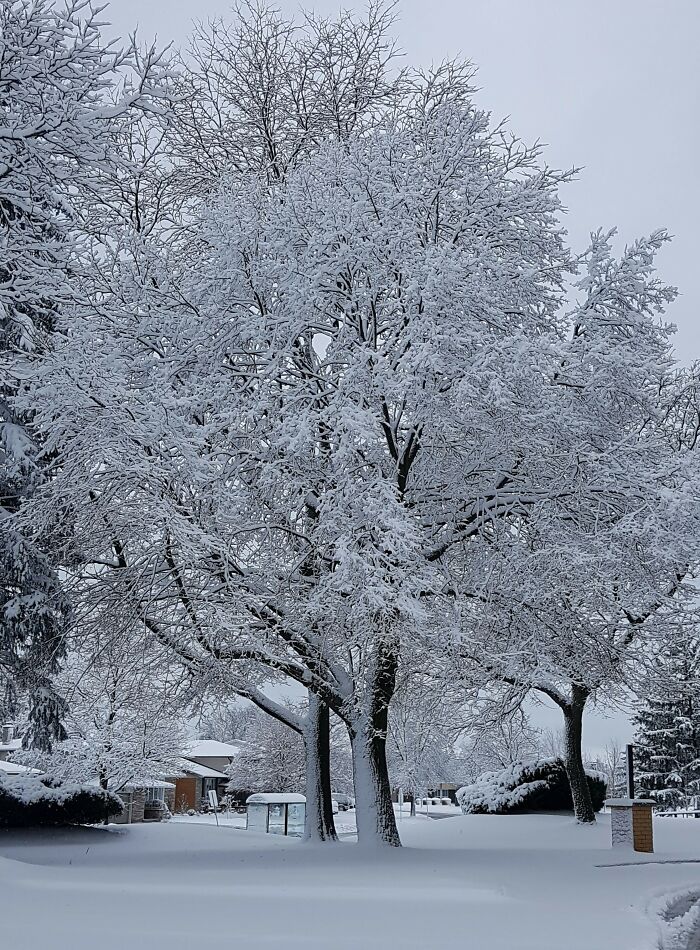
610	85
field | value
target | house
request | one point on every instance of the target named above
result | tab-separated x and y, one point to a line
444	790
139	799
9	744
200	769
14	769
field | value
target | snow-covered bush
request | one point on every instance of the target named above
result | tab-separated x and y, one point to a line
25	802
535	785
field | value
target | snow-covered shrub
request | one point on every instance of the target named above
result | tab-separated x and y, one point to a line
535	785
25	802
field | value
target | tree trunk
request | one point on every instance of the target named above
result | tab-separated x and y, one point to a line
319	806
413	804
374	810
104	784
573	758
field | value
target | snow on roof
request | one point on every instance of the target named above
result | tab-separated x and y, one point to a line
14	768
210	748
275	798
12	746
203	771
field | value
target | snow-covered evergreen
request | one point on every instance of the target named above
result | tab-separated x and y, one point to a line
667	738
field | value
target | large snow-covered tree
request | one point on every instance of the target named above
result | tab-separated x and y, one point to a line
347	410
602	562
235	117
62	90
295	484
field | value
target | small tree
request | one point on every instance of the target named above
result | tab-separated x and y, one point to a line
273	759
126	718
423	728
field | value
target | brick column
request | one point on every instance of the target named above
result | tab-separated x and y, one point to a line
631	823
642	828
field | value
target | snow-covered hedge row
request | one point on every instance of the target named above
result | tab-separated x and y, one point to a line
535	785
25	802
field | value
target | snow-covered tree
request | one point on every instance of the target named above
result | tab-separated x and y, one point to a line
597	566
234	116
62	91
493	744
228	721
347	412
424	725
314	476
273	760
127	711
667	740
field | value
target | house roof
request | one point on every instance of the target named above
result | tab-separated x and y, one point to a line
196	768
212	749
14	768
14	745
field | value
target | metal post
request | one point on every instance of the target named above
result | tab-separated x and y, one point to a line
630	770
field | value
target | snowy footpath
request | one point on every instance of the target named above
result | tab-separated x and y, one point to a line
477	883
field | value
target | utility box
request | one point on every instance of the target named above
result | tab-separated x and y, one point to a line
280	813
631	823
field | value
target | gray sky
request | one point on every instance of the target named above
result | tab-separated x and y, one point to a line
611	85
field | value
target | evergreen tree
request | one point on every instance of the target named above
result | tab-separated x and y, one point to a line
668	729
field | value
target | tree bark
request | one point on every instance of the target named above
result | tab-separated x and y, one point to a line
104	785
374	810
319	825
573	757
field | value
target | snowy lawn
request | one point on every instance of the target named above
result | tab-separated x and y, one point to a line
476	882
345	823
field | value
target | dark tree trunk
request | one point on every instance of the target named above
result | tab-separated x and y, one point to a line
374	811
104	784
319	805
376	822
573	756
413	804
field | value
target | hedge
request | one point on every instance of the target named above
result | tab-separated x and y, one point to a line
538	785
26	802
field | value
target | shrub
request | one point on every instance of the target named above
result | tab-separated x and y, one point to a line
26	802
538	785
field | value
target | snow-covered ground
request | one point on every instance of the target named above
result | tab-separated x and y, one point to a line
534	882
345	823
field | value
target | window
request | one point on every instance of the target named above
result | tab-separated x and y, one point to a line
155	794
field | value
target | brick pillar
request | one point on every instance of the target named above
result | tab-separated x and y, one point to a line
642	828
631	823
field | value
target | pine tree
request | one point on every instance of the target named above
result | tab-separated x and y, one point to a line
668	729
